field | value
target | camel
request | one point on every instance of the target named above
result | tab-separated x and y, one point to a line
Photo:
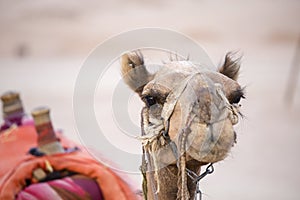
187	121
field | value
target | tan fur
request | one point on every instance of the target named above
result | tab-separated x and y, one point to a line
134	72
200	124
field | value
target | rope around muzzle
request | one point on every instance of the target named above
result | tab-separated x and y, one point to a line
149	141
168	109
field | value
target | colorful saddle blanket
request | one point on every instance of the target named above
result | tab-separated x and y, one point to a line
72	175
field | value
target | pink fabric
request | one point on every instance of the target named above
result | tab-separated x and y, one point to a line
38	191
60	189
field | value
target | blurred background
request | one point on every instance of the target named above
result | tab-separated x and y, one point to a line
44	43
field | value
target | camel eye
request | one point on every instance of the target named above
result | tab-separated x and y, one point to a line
236	99
149	100
236	96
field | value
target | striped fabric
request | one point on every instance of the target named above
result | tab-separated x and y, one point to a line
74	187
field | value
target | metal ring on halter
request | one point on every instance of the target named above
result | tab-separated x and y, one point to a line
196	179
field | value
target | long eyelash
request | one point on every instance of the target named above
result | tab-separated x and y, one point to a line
243	91
237	95
241	114
242	94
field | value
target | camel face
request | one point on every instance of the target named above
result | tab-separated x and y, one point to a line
195	107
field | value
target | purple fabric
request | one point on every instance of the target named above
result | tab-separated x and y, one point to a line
18	119
90	186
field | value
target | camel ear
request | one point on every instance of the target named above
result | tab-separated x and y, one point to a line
134	72
231	66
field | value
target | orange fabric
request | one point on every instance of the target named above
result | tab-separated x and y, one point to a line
18	166
112	186
16	142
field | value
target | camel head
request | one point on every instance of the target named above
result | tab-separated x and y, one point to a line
189	110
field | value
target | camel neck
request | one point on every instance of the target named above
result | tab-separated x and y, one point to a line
167	178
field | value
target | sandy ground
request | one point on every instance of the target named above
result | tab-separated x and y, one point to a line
44	44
